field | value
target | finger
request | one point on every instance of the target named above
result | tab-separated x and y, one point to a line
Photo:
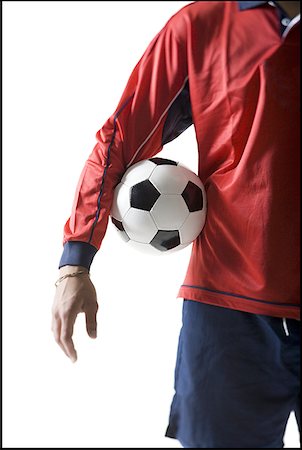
56	329
66	336
91	324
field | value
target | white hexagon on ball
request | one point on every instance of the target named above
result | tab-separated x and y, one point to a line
139	225
137	173
192	226
121	201
169	179
169	212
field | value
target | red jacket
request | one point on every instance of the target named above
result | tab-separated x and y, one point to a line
231	70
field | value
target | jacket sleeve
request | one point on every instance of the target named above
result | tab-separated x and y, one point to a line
135	131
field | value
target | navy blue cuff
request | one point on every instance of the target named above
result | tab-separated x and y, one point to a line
77	253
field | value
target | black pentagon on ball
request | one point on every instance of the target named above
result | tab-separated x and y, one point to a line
165	240
121	229
143	195
162	161
193	197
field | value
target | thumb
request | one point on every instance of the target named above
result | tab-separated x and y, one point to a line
91	324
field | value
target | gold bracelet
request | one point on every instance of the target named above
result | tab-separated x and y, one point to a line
67	275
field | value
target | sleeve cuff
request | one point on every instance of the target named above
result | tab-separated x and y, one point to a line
77	253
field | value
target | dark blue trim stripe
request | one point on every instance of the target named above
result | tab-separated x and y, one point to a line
97	214
240	296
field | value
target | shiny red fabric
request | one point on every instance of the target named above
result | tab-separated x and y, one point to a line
244	90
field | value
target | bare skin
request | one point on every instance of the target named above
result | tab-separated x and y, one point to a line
78	295
73	295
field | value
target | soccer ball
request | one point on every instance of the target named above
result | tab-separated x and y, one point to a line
159	206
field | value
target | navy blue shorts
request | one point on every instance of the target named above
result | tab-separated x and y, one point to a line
236	379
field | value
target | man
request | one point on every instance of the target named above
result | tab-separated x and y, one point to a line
232	70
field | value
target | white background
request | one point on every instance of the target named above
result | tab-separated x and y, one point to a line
65	65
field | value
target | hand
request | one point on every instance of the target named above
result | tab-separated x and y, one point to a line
73	296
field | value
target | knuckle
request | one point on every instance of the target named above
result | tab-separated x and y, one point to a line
65	336
56	314
93	307
66	314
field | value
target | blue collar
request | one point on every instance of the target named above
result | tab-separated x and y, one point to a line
249	5
284	19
